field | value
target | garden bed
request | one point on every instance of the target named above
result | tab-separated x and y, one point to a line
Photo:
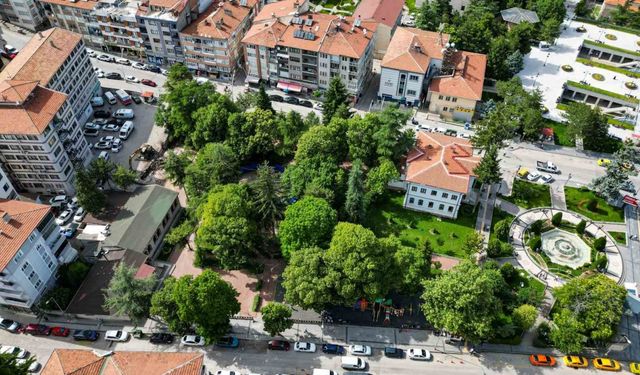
619	237
529	195
578	199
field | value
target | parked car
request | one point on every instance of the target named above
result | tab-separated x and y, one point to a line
575	361
305	103
533	175
116	146
291	100
138	65
278	345
60	331
85	335
606	364
106	58
64	217
80	214
102	145
115	335
113	75
100	74
542	360
634	367
161	338
136	99
333	349
97	101
192	340
70	231
364	350
9	325
124	113
111	128
305	347
108	138
153	68
101	114
123	61
276	98
103	155
16	351
91	126
58	200
228	342
37	329
33	367
392	352
131	79
101	122
546	178
91	132
91	52
418	354
602	162
148	82
318	106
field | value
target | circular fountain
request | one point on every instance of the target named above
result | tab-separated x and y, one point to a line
565	248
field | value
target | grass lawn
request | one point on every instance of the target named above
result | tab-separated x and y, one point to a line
577	199
529	195
411	4
620	237
560	132
447	236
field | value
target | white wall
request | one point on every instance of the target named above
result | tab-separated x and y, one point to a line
436	201
390	82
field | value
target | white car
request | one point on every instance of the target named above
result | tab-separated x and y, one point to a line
533	175
9	325
115	335
140	66
64	217
364	350
419	354
103	155
305	347
192	340
91	52
116	146
123	61
546	178
58	200
73	204
19	353
80	214
33	367
108	138
131	79
100	74
106	58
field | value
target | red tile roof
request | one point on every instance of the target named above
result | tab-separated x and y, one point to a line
467	80
220	20
18	219
82	4
441	161
276	10
27	107
87	362
412	49
383	11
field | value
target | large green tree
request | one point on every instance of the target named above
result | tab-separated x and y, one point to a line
165	307
211	121
488	170
304	280
290	128
433	13
589	124
335	96
355	205
567	334
215	164
414	264
477	28
262	100
9	365
124	177
307	223
378	179
464	301
252	135
276	318
175	167
128	295
268	196
90	197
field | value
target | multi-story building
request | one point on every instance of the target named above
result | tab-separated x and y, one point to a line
24	13
438	175
297	51
388	14
423	67
76	16
212	43
58	60
7	191
31	250
160	21
119	28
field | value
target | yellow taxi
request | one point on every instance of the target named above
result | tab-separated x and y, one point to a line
634	367
606	364
603	162
575	361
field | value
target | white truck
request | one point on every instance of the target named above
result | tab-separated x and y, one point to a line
547	166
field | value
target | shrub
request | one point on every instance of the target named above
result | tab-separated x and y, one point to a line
535	243
601	263
508	272
631	85
556	219
501	229
542	339
592	205
580	227
506	249
536	227
73	274
494	248
440	241
600	243
255	305
598	76
567	68
524	316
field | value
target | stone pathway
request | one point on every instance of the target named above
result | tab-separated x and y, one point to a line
485	213
558	199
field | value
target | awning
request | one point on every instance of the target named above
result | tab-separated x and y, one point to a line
547	132
147	94
288	86
251	79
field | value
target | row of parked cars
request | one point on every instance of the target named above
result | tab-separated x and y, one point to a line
295	101
123	61
576	361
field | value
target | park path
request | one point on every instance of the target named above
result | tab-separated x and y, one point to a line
558	199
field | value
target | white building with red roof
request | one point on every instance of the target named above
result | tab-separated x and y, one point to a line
422	67
31	250
438	174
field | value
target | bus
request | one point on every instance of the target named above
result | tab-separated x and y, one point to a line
124	97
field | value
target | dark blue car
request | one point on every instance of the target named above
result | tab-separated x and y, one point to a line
85	335
228	342
333	349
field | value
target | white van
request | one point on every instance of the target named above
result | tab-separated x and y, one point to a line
126	129
353	363
124	113
320	371
111	99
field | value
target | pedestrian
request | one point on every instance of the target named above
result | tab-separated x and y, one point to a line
614	78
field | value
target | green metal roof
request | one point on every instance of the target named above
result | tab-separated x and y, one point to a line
138	220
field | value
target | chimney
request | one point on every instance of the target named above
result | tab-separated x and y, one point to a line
40	34
417	47
52	44
364	32
6	217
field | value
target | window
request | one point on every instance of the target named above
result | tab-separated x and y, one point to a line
441	207
18	256
448	98
411	200
413	188
430	205
433	193
445	195
414	78
454	197
411	92
454	99
440	97
450	209
5	187
420	202
423	190
445	109
451	109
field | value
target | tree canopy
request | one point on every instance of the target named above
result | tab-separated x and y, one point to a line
128	295
307	223
276	318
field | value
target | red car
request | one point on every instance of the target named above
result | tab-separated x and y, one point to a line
148	82
37	329
8	55
278	345
60	331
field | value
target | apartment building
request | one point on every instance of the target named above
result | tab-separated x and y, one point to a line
438	174
24	13
388	14
301	52
160	21
58	60
7	191
31	250
120	30
76	16
212	44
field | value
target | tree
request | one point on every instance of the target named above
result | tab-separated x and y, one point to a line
177	73
501	229
589	124
357	264
488	170
124	177
307	223
268	196
433	13
581	227
521	35
378	179
290	129
206	302
276	318
600	243
515	63
101	171
252	135
617	176
215	164
550	9
304	280
335	96
556	219
415	266
211	121
473	243
128	295
567	334
524	316
476	28
355	206
180	234
463	301
9	365
175	167
500	49
550	30
262	100
89	196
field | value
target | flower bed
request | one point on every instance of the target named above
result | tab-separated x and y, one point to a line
567	68
611	37
630	85
597	76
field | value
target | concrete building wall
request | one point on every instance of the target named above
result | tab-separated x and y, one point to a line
451	107
435	201
396	85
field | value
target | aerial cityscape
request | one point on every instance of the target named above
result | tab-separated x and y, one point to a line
319	187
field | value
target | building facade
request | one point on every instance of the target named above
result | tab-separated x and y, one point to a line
438	175
388	14
120	30
7	191
297	51
212	43
76	16
24	13
31	250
